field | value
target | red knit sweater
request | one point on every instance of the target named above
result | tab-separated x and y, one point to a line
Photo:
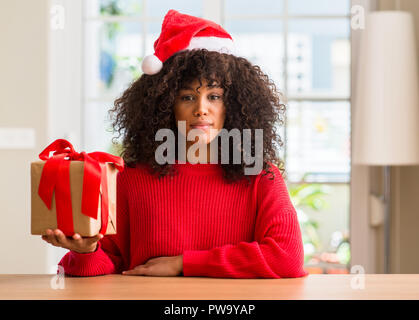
222	230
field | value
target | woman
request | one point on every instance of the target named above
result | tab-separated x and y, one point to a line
204	219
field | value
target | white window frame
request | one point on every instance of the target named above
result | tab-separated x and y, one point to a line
66	101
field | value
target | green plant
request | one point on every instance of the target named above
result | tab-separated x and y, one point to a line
109	7
118	7
309	195
344	252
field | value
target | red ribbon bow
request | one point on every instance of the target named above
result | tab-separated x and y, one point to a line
56	175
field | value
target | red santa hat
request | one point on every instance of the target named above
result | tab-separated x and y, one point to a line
184	32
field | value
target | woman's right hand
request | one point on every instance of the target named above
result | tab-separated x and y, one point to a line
75	243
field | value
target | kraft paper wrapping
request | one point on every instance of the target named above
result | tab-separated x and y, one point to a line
42	218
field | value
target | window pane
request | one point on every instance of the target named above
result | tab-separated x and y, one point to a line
318	141
251	7
114	7
319	57
261	42
97	133
159	8
319	7
323	214
113	60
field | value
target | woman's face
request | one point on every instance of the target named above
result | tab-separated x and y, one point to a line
201	108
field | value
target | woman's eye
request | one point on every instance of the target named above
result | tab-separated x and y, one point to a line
214	97
187	98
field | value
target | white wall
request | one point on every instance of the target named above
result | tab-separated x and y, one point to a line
23	104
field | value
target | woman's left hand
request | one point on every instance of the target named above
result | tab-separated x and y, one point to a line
159	267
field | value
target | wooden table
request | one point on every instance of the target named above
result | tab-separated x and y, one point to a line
314	286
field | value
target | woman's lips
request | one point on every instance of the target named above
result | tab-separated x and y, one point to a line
203	127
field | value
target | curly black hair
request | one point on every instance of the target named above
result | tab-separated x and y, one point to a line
250	97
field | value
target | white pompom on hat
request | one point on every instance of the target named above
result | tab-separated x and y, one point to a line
184	32
151	64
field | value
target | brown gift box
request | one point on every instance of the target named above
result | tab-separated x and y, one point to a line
42	218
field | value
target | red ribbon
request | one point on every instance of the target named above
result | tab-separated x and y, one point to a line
56	175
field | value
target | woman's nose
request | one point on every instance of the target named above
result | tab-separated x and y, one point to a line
201	107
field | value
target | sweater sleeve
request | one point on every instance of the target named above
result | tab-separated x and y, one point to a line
112	252
277	249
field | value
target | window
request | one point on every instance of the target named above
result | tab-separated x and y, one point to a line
303	45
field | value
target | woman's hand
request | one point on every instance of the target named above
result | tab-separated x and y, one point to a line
76	243
160	267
